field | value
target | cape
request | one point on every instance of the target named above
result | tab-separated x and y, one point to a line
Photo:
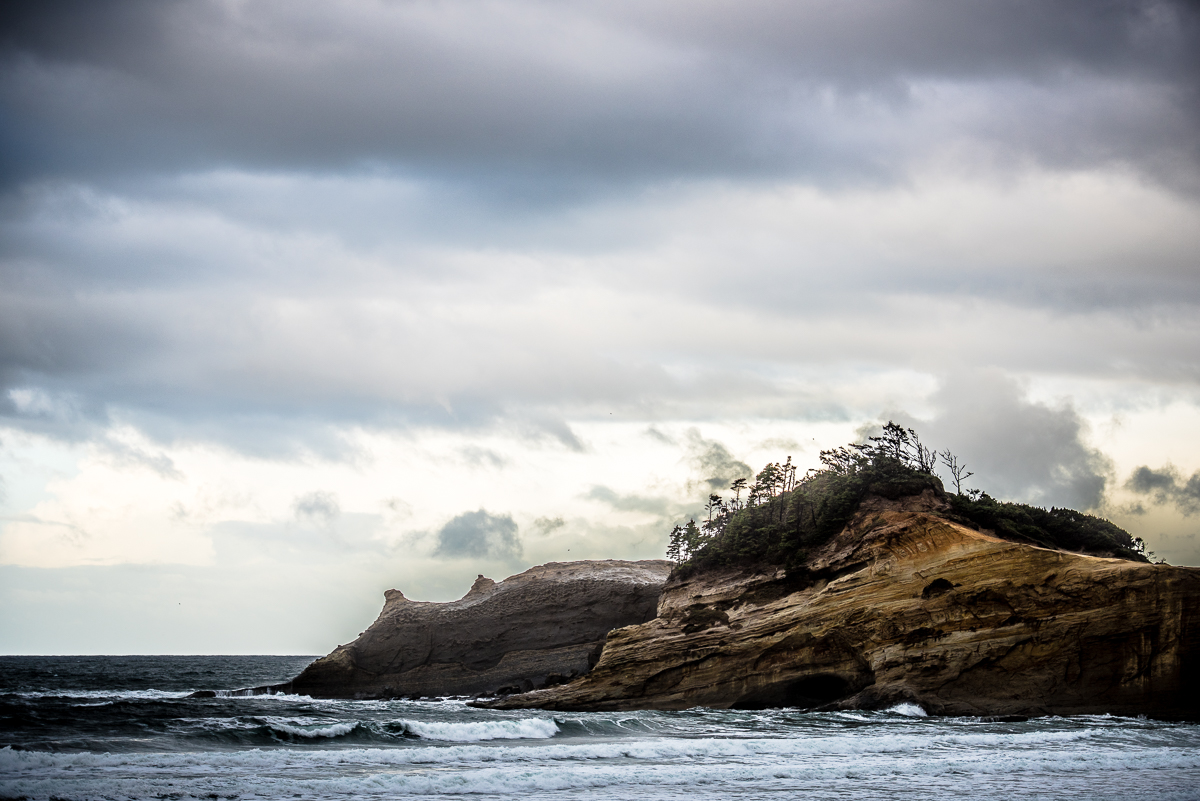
907	605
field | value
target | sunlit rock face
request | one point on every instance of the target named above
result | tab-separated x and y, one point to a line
906	605
541	627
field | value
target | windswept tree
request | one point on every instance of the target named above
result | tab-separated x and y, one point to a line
926	458
788	476
693	538
675	546
715	504
736	488
686	541
904	446
893	443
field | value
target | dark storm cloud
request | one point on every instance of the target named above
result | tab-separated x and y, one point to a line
480	535
526	95
1018	449
1167	485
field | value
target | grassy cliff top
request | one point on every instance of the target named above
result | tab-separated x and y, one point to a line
782	517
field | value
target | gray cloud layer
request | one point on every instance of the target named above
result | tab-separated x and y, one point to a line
258	223
530	91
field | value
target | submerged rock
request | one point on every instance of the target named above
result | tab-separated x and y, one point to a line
539	628
906	605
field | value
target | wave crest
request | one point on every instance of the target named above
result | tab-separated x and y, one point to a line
525	729
310	731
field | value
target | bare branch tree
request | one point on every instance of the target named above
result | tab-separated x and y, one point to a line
958	472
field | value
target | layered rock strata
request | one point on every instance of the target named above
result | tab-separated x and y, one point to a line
906	605
541	627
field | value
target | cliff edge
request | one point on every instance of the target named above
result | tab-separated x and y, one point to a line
544	626
908	605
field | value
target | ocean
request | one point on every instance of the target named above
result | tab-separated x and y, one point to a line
122	727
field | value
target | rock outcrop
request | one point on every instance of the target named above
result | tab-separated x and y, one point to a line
907	605
544	626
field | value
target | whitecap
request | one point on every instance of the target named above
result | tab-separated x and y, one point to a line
474	732
108	695
311	731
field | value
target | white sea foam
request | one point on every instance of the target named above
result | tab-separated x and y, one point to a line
107	695
280	697
908	710
474	732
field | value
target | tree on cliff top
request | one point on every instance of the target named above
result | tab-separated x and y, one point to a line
783	518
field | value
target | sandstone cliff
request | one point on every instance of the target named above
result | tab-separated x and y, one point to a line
907	605
542	626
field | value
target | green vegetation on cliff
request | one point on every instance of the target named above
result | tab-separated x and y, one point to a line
783	518
1065	529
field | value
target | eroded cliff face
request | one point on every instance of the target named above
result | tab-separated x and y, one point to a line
540	627
905	605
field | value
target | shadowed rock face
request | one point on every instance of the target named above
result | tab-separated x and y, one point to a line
544	626
905	605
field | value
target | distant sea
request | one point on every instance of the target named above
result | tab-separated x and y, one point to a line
122	727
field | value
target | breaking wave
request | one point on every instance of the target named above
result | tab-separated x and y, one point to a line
312	732
527	729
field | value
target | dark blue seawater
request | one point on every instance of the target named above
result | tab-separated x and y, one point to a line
123	728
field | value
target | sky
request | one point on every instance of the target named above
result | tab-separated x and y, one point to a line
301	301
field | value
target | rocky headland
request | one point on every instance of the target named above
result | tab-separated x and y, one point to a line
862	584
538	628
906	604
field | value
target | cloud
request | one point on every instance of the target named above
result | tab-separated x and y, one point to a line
548	426
1167	485
483	457
1018	449
658	506
479	535
397	509
278	361
656	434
783	444
529	99
714	463
125	455
319	508
545	526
